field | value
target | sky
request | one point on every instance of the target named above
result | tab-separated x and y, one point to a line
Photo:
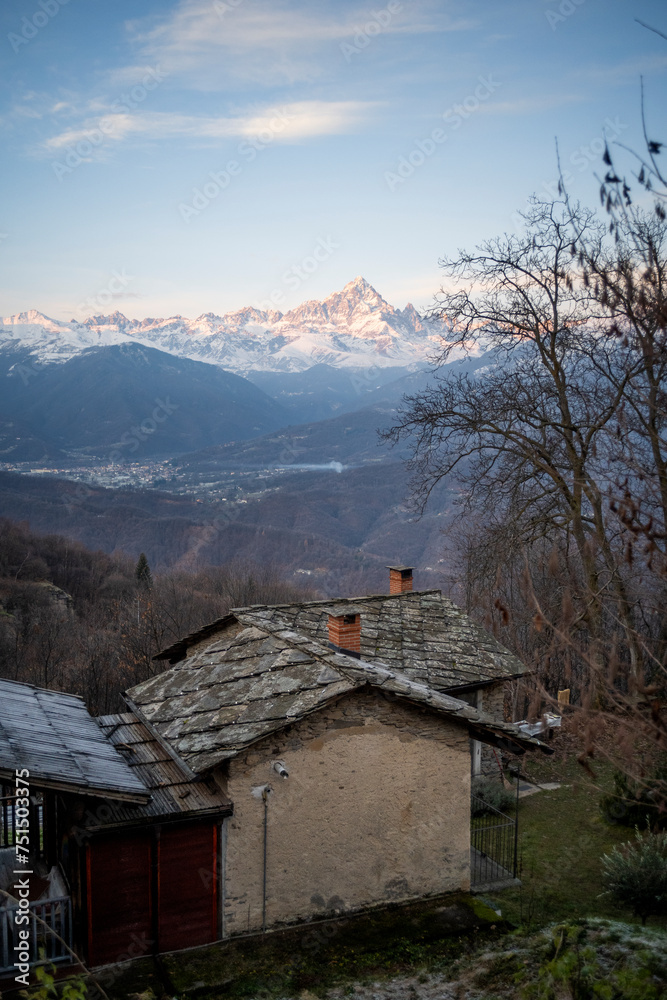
178	158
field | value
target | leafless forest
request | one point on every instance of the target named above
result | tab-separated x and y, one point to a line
86	622
561	456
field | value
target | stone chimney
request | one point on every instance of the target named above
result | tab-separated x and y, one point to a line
345	631
400	579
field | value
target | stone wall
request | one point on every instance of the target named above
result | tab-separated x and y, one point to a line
492	702
489	698
376	808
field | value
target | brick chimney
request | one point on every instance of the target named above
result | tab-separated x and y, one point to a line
400	579
345	631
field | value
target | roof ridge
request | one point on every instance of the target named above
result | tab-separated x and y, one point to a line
437	699
406	594
182	644
304	644
333	673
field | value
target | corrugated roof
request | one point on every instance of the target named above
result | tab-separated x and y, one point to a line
52	735
174	795
245	686
421	633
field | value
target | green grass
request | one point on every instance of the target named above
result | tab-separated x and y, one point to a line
562	837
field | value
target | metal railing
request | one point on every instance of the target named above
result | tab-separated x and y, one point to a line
47	918
493	843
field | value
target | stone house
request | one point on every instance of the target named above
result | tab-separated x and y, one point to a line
294	762
331	728
423	634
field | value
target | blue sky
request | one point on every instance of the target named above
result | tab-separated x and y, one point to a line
181	158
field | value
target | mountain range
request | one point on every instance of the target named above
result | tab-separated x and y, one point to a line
269	423
353	328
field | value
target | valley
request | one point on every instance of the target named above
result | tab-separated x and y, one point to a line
127	447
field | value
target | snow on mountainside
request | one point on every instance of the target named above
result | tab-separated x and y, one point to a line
352	328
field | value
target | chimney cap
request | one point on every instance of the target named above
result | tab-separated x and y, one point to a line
402	569
339	610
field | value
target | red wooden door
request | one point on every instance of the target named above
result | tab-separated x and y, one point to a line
118	874
187	886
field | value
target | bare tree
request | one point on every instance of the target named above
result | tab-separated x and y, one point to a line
529	437
559	451
646	172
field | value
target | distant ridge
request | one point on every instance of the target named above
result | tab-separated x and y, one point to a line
128	401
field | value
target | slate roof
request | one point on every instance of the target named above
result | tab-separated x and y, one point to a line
175	794
179	649
52	735
421	633
245	686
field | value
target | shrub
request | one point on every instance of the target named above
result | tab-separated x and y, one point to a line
581	963
46	987
490	795
635	874
637	803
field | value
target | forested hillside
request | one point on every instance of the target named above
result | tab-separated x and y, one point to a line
89	623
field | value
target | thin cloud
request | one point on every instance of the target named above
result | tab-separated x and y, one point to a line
291	122
628	69
266	41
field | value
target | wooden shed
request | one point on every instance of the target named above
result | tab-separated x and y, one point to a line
151	880
124	829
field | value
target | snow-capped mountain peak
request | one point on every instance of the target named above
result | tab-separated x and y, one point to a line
355	327
30	318
115	319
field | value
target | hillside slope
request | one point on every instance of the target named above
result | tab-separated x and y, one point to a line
130	401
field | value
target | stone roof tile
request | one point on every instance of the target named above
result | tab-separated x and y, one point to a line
276	666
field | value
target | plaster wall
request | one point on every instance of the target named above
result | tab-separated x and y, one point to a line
376	808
